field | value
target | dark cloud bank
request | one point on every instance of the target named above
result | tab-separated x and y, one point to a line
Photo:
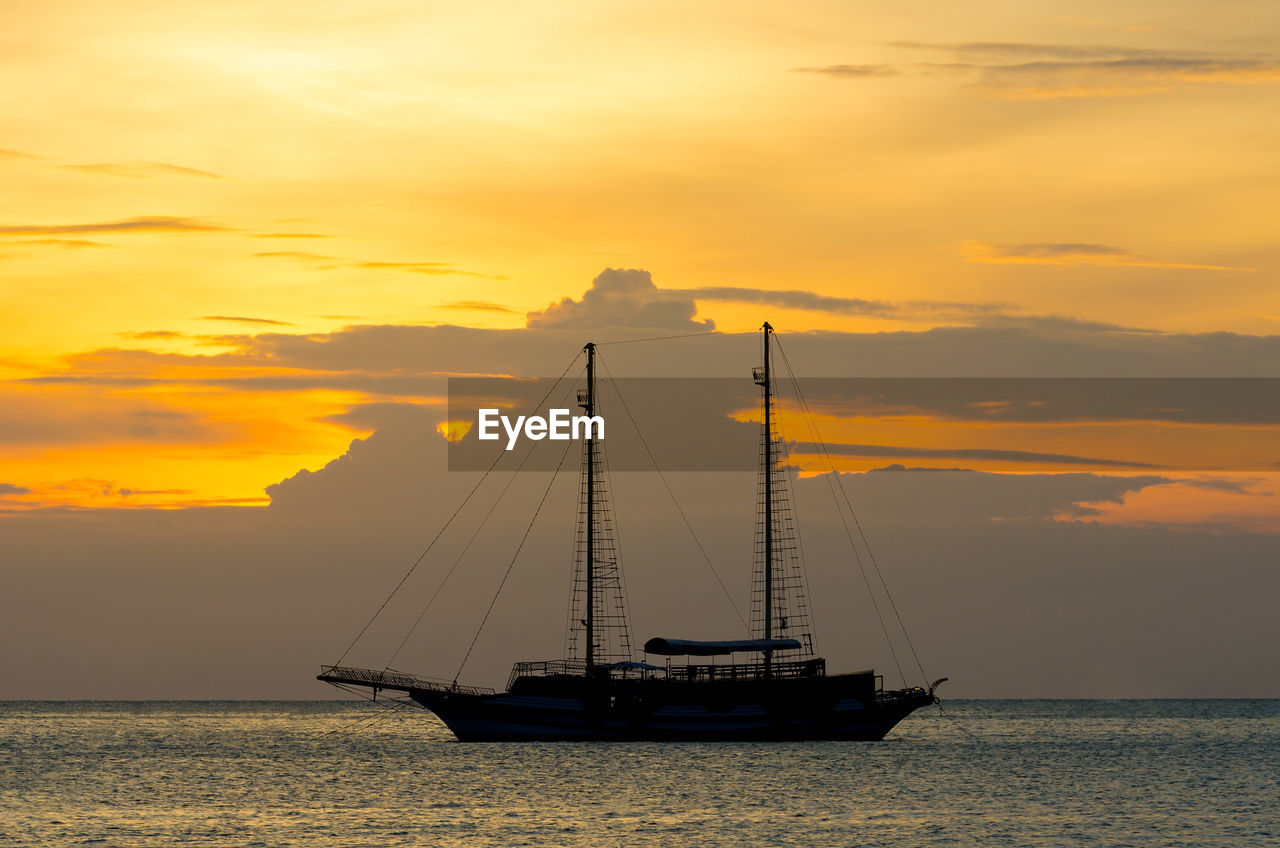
1000	596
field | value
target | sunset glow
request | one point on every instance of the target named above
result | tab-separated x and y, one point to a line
189	195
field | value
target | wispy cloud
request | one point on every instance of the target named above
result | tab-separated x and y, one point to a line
240	319
988	454
68	244
129	225
17	154
1031	71
851	71
801	299
323	262
140	170
11	489
151	335
293	254
1073	253
478	306
440	268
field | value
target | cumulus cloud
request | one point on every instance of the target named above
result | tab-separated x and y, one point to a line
630	298
622	297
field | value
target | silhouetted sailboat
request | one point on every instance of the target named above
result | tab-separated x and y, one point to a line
602	693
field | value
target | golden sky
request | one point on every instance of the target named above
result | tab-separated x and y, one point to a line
181	178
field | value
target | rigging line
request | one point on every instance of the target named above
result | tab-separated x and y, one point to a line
813	429
672	494
659	338
857	523
467	547
958	724
514	557
445	526
384	709
617	539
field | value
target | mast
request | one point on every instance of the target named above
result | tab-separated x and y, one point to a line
763	379
589	404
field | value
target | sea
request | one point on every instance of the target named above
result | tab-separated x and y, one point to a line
332	773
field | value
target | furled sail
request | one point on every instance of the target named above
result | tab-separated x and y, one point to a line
692	648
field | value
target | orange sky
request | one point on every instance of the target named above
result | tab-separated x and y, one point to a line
179	178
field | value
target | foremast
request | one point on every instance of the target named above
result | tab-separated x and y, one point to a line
598	612
589	405
764	380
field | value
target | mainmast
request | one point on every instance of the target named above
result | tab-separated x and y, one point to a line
588	403
763	380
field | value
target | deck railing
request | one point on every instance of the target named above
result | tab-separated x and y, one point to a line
547	668
746	671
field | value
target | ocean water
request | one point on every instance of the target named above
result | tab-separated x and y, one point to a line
982	773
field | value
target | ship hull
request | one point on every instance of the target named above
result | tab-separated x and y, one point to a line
579	710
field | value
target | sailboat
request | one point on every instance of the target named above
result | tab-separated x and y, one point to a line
772	687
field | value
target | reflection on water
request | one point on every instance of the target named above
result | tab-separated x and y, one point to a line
1011	773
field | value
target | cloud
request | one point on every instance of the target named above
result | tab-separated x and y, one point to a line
441	268
622	298
477	306
851	71
331	263
300	255
46	418
289	235
1066	350
1227	484
10	489
1069	71
968	453
1242	402
801	299
69	244
387	415
147	335
986	51
618	302
1071	254
611	305
1030	71
1054	324
141	170
129	225
239	319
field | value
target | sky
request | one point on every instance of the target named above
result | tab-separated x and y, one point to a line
243	248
